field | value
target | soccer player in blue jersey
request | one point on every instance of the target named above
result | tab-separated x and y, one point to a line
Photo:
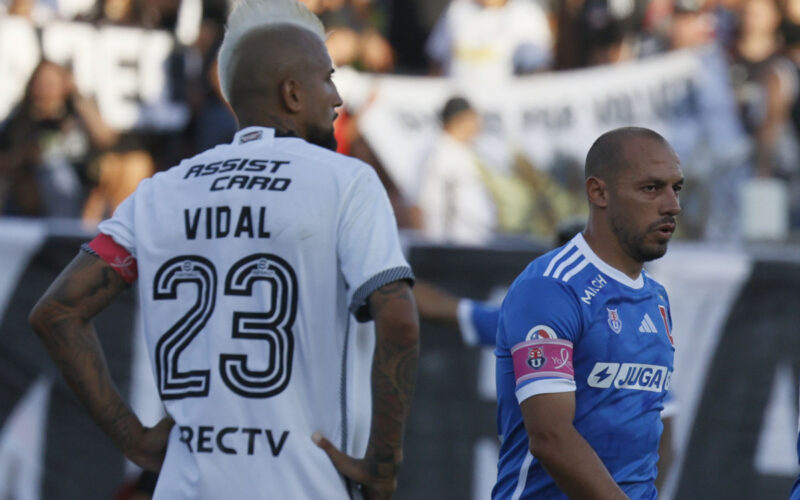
795	494
584	348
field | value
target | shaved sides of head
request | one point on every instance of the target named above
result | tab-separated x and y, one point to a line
265	57
249	16
607	156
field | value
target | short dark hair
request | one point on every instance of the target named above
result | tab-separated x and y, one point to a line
606	157
454	106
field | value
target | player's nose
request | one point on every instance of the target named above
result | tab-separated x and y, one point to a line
337	99
671	204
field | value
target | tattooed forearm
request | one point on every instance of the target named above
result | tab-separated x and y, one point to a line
62	320
394	372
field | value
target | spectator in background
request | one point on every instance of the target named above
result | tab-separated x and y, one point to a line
606	32
121	12
355	42
474	187
727	17
692	24
407	29
150	14
454	201
676	24
597	32
778	136
753	52
117	174
212	121
478	39
47	144
119	171
707	133
355	33
35	11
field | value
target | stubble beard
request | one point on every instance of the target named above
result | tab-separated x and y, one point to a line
633	242
323	137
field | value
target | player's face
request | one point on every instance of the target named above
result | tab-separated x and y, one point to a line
644	201
322	99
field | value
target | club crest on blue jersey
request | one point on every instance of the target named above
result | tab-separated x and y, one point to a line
541	332
536	358
613	320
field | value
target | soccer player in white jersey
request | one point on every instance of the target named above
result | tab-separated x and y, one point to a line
584	344
258	262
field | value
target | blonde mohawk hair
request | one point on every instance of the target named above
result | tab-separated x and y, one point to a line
250	15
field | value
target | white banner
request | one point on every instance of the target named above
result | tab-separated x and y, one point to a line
556	115
125	69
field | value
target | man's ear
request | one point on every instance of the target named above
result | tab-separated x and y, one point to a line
291	95
597	192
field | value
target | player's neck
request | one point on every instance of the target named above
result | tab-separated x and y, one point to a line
284	127
605	244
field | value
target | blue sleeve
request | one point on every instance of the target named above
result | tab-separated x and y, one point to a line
484	318
539	307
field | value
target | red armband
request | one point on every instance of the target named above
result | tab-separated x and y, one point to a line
115	256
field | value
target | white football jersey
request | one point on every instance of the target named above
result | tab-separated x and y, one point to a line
255	259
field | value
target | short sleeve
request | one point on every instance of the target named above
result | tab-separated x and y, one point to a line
368	244
120	227
540	322
477	322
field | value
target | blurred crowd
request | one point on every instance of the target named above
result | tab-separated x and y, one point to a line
58	158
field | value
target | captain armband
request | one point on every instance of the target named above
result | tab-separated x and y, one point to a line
542	358
116	256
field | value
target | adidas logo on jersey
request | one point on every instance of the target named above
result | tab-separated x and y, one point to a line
647	325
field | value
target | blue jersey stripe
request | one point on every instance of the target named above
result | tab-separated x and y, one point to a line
523	476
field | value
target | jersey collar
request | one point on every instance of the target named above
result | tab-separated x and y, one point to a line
253	134
611	272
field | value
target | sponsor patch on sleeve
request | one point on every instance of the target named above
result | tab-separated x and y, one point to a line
543	358
115	256
541	332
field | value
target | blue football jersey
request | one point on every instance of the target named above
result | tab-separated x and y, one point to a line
795	494
571	322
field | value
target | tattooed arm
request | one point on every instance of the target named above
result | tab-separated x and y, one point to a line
394	371
62	319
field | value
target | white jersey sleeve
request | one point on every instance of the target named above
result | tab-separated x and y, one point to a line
121	226
368	247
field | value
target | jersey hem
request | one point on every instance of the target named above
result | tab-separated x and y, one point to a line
86	248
